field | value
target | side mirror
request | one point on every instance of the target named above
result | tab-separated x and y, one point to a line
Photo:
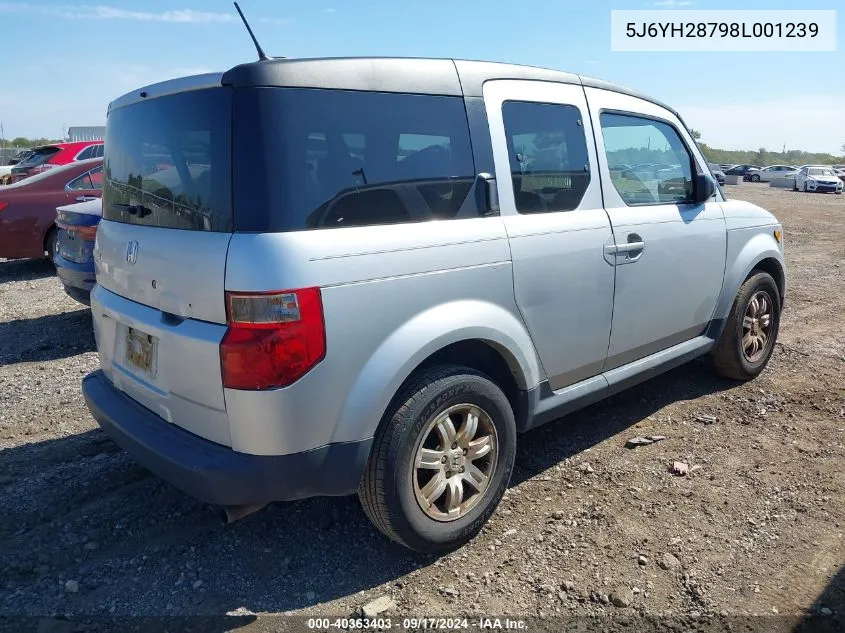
486	194
704	189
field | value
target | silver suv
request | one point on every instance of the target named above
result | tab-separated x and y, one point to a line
329	276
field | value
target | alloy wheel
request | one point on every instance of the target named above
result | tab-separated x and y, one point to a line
757	326
454	462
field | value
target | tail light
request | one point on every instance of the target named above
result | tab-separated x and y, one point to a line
273	338
3	205
87	233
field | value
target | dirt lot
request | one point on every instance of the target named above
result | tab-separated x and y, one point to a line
587	525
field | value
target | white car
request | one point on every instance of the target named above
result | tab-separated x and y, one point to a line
818	179
767	174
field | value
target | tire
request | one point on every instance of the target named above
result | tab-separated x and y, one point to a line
755	178
805	187
392	483
729	357
50	243
795	186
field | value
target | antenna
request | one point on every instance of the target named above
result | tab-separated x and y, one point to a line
262	56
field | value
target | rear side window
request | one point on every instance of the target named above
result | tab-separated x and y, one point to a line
548	156
88	152
660	165
169	162
313	159
90	180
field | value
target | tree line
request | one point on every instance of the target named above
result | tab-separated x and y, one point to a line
22	141
764	157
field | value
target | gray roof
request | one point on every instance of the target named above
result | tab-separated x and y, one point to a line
382	74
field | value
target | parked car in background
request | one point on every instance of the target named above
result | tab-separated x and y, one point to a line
6	170
726	166
840	173
28	207
818	179
50	156
272	348
717	172
741	170
20	156
767	174
74	255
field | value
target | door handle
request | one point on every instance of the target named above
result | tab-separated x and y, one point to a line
85	198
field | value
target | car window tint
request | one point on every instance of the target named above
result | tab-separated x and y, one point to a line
336	158
82	182
548	156
88	152
172	155
96	176
662	165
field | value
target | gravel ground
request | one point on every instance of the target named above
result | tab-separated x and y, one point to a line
587	527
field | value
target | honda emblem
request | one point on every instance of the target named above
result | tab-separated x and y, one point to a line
132	252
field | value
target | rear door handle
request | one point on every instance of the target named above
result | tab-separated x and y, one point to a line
634	248
624	248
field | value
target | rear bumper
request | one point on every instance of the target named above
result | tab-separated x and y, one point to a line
215	473
75	275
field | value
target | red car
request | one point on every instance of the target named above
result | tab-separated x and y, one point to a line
28	208
49	156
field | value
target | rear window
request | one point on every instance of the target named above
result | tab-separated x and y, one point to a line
168	162
313	159
39	157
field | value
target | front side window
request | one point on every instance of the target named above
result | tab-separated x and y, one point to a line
548	156
661	171
315	159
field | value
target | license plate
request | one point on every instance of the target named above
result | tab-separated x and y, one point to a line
141	351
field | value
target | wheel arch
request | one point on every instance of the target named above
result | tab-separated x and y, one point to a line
446	334
760	252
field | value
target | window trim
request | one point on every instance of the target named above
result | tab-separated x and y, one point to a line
82	175
694	170
85	149
586	150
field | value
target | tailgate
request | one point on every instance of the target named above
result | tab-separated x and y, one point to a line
179	272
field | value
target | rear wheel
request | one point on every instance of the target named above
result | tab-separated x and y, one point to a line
50	243
441	460
746	344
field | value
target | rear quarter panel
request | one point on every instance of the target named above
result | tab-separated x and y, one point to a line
26	221
392	295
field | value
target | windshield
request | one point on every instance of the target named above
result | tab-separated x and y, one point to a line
821	172
168	162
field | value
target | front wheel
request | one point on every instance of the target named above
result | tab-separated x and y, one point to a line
755	178
746	343
441	460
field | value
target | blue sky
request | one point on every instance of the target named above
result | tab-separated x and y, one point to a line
63	61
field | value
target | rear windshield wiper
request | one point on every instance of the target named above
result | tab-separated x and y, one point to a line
133	209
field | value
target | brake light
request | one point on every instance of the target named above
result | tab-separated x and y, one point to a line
3	205
273	338
87	233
